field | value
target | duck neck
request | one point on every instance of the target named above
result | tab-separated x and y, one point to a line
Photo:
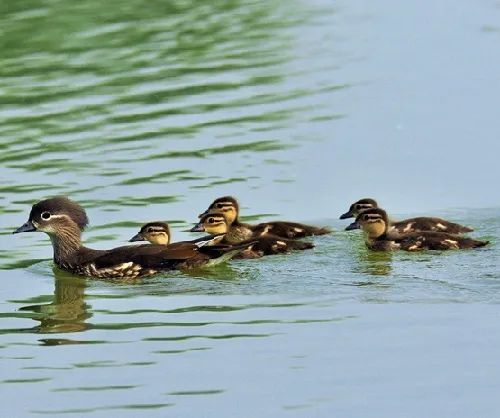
238	233
238	224
66	243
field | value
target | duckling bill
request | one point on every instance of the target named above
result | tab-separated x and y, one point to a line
375	224
422	223
64	221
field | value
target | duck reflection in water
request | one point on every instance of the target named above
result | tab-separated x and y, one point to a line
68	310
374	263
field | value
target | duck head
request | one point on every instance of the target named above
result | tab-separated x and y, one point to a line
373	222
155	232
55	216
355	209
226	205
213	223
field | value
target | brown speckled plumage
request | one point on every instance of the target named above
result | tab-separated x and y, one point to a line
424	223
421	223
266	244
64	220
283	229
378	237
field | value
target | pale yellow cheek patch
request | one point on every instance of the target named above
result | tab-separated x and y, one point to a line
374	229
159	239
219	228
230	215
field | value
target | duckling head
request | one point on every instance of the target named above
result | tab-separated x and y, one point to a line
155	232
359	206
373	222
55	216
227	205
212	222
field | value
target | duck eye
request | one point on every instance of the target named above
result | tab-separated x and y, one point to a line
211	220
218	205
366	217
150	229
46	216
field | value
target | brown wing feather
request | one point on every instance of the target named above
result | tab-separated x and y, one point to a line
428	240
146	255
288	229
272	244
425	223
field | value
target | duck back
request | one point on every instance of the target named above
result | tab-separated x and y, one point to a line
429	224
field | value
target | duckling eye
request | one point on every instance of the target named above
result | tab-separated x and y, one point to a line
150	229
218	205
366	217
46	216
211	220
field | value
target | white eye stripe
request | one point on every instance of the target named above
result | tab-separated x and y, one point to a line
372	217
60	216
214	221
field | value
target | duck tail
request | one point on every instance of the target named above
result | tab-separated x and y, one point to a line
323	231
221	253
481	243
299	245
223	258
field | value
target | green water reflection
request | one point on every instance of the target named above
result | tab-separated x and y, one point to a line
148	110
67	312
373	263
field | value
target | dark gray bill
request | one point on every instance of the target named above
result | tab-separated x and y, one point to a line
27	227
352	226
346	215
137	237
198	228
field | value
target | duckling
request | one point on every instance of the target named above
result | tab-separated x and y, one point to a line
217	223
375	225
291	230
158	233
64	220
422	223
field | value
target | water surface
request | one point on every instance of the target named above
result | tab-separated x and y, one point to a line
148	112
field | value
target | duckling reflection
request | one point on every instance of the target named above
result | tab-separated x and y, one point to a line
374	263
68	310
